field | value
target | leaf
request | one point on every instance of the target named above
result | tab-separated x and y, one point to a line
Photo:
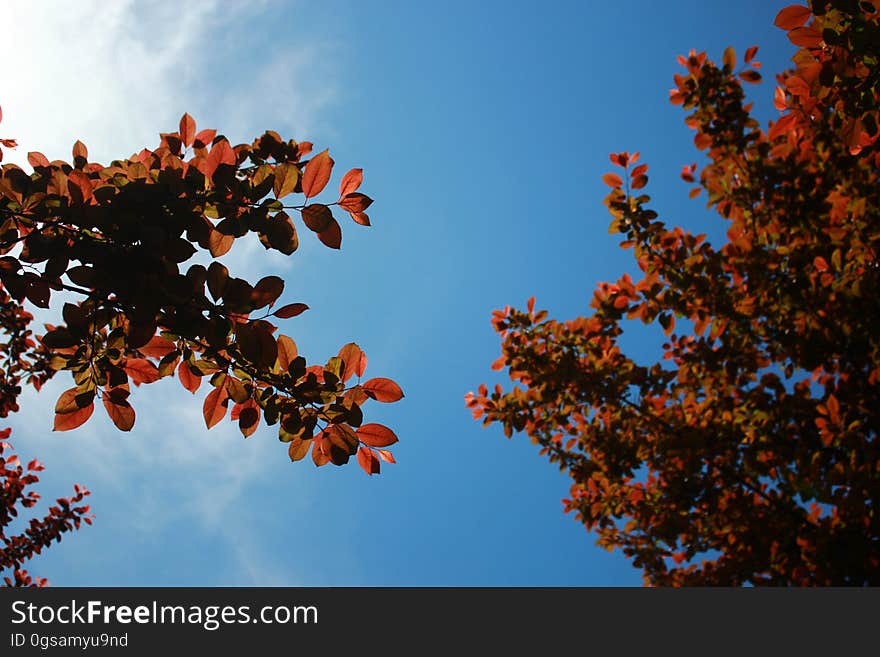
266	291
120	412
287	352
286	178
189	380
806	37
37	159
361	218
214	408
752	77
383	390
187	130
332	235
221	153
141	370
158	347
750	53
318	455
351	355
792	16
779	101
612	180
317	217
219	244
317	174
350	182
376	435
386	456
368	461
639	181
216	279
290	310
80	152
68	421
249	420
355	202
340	443
298	448
729	58
205	137
73	400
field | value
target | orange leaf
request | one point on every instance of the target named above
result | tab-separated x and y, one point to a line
317	174
286	177
120	412
351	356
639	181
187	129
750	53
215	406
729	58
383	390
779	101
37	159
189	380
140	370
820	264
355	202
792	16
806	37
350	182
204	138
387	456
752	77
157	347
80	150
68	421
376	435
298	448
368	461
361	218
612	180
287	352
219	244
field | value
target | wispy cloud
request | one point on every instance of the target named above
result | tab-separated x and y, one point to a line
115	74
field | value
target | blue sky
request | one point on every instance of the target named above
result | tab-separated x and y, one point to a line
483	130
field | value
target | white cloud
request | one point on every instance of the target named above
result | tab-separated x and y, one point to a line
115	74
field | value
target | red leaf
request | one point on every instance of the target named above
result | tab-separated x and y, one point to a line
383	390
612	180
37	159
806	37
189	380
332	235
750	53
221	153
820	264
317	217
68	421
350	182
157	347
249	419
361	218
376	435
298	448
187	129
368	461
80	150
753	77
266	291
204	138
317	174
639	181
779	101
351	355
78	181
290	310
120	412
792	16
215	406
387	456
287	352
140	370
355	202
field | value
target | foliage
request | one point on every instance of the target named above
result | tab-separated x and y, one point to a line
749	453
117	236
63	517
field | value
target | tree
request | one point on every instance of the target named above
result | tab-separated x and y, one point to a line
749	453
63	517
112	239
